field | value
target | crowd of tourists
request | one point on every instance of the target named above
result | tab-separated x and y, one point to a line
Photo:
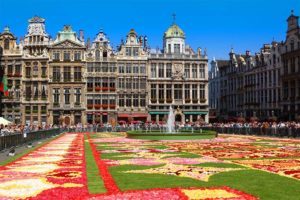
21	129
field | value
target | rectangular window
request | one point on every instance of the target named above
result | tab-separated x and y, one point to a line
153	70
128	51
121	100
187	91
128	100
28	72
169	91
202	71
142	100
67	56
187	70
177	48
56	56
56	74
44	72
153	91
194	92
128	68
67	96
178	91
161	70
77	74
121	69
202	91
135	69
194	71
135	51
77	56
104	67
169	70
56	96
142	69
128	83
136	100
161	92
77	95
142	84
67	74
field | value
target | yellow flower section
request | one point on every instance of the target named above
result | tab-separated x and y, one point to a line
198	194
24	188
38	168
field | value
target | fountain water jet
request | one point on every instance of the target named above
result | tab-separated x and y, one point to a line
171	121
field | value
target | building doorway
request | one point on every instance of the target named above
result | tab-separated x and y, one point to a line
178	118
67	121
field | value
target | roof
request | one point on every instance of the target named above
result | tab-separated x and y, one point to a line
174	31
36	19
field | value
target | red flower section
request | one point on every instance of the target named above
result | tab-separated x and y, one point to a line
108	180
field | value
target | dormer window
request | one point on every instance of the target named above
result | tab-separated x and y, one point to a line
6	44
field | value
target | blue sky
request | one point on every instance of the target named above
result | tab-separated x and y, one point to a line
216	25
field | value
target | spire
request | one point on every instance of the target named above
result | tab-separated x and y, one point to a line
292	12
6	29
174	18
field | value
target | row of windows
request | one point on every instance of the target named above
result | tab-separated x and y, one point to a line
160	91
132	69
67	95
56	74
135	100
162	70
67	56
101	67
131	83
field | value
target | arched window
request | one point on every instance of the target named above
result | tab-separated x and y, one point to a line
97	55
6	43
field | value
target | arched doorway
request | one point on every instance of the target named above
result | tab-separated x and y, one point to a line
67	121
178	118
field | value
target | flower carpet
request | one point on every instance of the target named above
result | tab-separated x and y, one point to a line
228	167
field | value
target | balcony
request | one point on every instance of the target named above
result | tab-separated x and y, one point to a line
104	106
153	100
90	106
56	105
43	111
112	106
203	100
97	89
195	100
161	101
90	89
112	89
187	100
77	104
97	106
105	89
169	100
28	111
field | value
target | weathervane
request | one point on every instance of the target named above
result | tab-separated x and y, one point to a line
174	18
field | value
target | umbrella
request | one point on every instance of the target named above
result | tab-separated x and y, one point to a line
122	122
4	121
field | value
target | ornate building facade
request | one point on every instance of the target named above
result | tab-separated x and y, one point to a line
132	78
101	81
35	60
67	84
263	86
178	77
68	81
11	62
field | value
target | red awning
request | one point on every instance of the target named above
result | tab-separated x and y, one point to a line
123	115
139	115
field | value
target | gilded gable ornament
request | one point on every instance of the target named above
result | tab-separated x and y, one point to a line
178	71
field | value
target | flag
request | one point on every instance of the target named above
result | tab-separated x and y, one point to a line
3	85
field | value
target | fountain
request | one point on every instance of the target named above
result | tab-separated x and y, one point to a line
171	121
152	132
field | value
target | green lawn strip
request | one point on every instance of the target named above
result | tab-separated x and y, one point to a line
94	180
196	137
115	156
220	165
266	186
27	151
182	155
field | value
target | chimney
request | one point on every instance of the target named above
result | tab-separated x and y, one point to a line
81	35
